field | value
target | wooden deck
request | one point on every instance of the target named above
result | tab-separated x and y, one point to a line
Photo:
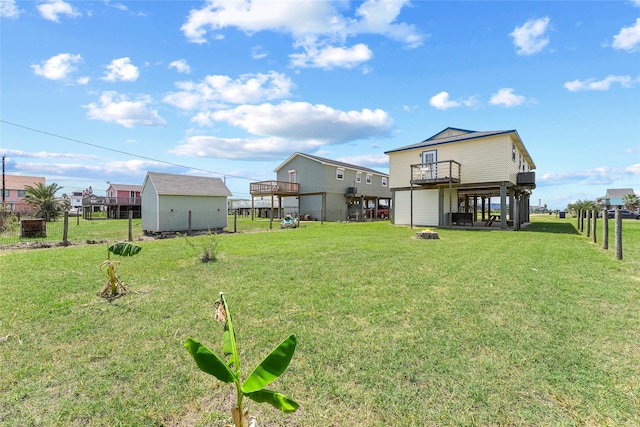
444	172
276	188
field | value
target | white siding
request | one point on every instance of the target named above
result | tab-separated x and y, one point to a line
425	208
482	160
149	207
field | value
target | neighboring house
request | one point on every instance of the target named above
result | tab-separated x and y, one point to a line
262	207
448	177
75	201
613	198
14	192
313	187
122	198
183	203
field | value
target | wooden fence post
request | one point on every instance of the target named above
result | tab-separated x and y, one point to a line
65	229
189	231
594	214
605	229
235	221
578	212
588	213
618	244
130	225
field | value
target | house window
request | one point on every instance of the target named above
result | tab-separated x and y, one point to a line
358	177
368	178
513	151
22	193
519	161
7	193
339	174
384	181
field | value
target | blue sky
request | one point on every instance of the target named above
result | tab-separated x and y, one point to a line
104	91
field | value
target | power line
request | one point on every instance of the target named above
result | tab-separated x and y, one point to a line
120	151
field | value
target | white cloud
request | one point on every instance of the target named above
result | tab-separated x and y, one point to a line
9	9
217	90
48	155
181	66
329	57
258	52
597	176
374	161
507	98
313	25
83	80
57	67
118	109
280	129
441	101
530	37
121	69
628	38
52	9
602	85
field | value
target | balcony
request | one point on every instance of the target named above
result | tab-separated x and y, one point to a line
278	188
447	171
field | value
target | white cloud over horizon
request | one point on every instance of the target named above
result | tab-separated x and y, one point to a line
117	108
531	37
276	130
598	176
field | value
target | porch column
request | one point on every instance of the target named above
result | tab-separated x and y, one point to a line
503	206
483	207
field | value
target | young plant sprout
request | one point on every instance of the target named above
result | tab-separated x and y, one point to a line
115	287
254	385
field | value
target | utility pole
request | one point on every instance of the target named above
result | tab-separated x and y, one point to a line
3	199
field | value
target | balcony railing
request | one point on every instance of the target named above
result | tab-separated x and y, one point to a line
435	172
112	201
281	188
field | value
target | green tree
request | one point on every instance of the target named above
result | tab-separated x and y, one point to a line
631	202
44	201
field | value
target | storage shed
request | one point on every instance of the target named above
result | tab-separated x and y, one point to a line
183	203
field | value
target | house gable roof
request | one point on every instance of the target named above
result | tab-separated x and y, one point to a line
126	187
187	185
331	163
446	137
618	193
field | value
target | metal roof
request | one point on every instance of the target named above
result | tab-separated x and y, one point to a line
332	163
187	185
615	193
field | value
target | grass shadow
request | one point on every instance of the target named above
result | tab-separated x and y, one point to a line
552	227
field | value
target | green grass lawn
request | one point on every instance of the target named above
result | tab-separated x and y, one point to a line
537	327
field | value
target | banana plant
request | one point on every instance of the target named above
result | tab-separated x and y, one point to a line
115	287
228	371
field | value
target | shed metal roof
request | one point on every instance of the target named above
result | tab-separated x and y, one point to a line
187	185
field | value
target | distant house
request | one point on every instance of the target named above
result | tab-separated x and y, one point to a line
454	176
182	203
319	188
15	190
122	198
613	198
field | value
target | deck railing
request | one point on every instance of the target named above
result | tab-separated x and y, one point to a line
112	201
274	187
435	172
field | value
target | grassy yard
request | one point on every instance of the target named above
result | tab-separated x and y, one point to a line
538	327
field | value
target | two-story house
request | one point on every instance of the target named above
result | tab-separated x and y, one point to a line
450	176
319	188
15	190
